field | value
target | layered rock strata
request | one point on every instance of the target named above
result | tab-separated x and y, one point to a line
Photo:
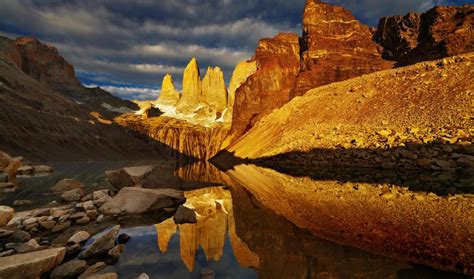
440	32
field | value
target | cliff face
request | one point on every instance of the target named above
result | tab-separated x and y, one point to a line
169	95
438	33
183	137
44	64
239	76
334	47
191	89
269	87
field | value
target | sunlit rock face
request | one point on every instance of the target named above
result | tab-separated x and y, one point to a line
214	91
169	95
277	61
438	33
242	71
183	137
382	218
335	47
192	88
213	207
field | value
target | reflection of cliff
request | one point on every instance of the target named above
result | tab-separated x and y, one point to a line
201	171
383	219
215	220
187	138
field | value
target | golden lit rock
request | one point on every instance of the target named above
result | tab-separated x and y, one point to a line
169	95
191	89
214	91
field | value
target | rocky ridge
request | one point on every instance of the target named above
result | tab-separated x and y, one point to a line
437	33
424	121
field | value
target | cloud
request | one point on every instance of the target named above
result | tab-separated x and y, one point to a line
123	42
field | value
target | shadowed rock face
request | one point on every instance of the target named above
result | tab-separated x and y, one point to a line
335	47
169	95
438	33
270	86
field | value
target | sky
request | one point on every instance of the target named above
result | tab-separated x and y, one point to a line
126	47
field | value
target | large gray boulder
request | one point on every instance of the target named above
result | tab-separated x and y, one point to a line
31	265
71	269
135	200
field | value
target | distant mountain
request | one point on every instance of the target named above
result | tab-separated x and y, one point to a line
45	113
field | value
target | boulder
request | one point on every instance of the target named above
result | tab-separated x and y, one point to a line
111	275
169	96
152	112
192	87
40	169
143	276
71	269
67	185
100	197
140	200
114	253
31	265
79	237
185	215
72	195
93	269
30	246
19	237
102	244
6	214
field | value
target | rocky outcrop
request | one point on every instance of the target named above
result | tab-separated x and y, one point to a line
44	64
334	47
423	121
278	64
6	214
31	265
242	71
183	137
169	96
440	32
134	200
214	91
192	89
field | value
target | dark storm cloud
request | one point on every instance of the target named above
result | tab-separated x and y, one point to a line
124	43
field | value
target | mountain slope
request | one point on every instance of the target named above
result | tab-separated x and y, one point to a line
423	104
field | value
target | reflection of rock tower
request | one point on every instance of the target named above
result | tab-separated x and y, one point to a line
213	207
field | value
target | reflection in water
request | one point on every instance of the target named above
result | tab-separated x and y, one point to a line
381	218
214	222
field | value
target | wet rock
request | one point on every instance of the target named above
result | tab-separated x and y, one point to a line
140	200
143	276
31	265
114	253
6	214
83	221
93	269
40	169
70	269
100	197
123	238
73	250
72	195
79	237
19	236
7	253
185	215
61	227
48	224
102	244
104	276
67	185
22	202
58	212
127	177
29	221
25	170
5	233
78	215
30	246
207	273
